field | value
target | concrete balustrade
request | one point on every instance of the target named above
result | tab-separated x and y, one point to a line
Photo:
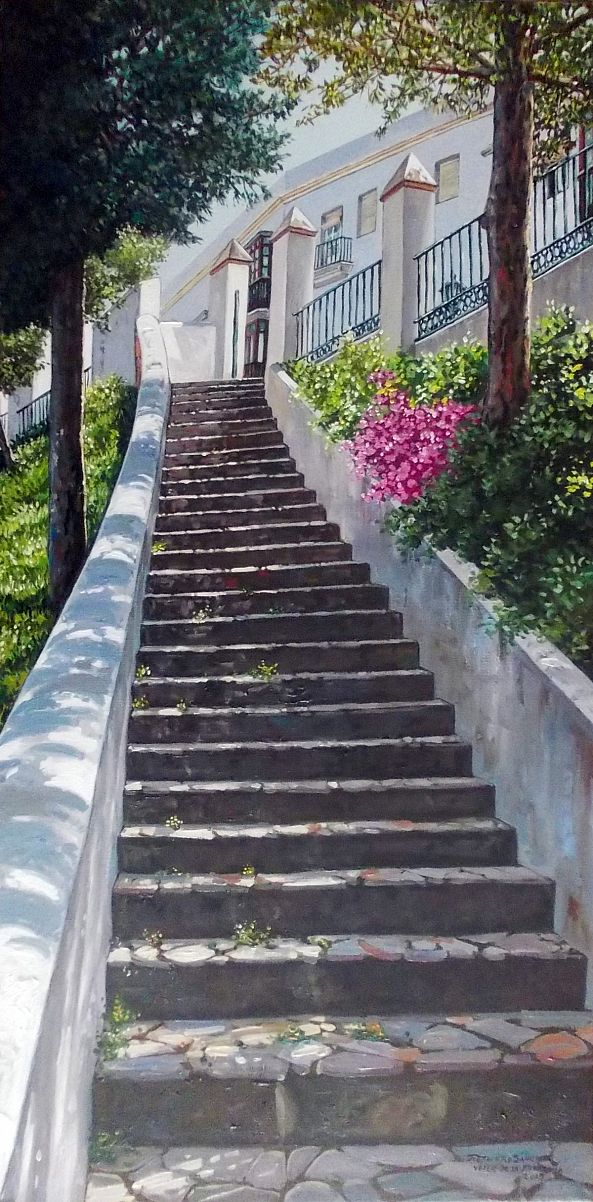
62	755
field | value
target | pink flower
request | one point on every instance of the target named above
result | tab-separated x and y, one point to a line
400	448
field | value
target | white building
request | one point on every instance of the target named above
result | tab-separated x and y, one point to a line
339	192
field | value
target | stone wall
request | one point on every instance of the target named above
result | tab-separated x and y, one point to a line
62	756
527	709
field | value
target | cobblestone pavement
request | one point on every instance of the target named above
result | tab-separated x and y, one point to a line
269	1049
356	1173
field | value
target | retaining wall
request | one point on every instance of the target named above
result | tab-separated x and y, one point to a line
527	709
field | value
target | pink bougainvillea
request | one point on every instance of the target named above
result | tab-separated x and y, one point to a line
400	447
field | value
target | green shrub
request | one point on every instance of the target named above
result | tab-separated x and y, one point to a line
24	615
339	390
517	502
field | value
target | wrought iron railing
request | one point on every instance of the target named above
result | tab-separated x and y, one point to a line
335	250
353	306
32	419
452	274
258	296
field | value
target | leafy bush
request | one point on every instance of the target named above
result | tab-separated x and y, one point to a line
21	354
517	502
24	614
340	390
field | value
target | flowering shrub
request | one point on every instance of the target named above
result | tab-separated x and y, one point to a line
401	447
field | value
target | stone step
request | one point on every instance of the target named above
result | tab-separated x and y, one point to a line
366	1077
252	557
243	501
196	979
183	661
280	532
348	720
221	519
192	426
151	848
254	473
273	628
203	444
275	578
441	755
434	799
314	688
540	1169
209	395
260	452
296	601
453	900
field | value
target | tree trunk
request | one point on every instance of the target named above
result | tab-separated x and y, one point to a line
6	459
508	223
67	531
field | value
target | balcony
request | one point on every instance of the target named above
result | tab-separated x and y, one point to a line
333	260
258	296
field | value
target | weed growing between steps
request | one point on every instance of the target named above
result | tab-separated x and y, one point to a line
515	502
25	620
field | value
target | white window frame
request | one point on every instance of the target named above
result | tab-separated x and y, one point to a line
450	158
360	232
333	230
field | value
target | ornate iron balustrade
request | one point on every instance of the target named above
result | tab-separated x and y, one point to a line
334	250
452	274
351	307
258	296
32	419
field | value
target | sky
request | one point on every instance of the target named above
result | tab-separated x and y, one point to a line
355	119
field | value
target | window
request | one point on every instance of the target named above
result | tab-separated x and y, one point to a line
260	249
367	213
331	224
447	177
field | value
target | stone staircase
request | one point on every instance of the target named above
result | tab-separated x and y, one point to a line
322	935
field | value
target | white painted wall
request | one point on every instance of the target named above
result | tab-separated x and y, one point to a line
62	767
309	186
112	350
527	710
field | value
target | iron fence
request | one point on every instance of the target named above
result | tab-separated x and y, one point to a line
452	274
334	250
352	306
32	419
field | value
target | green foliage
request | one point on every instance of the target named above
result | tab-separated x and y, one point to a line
24	614
114	1037
339	390
264	671
108	279
517	502
248	934
137	115
21	354
447	55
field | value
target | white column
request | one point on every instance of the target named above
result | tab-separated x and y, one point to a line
227	309
408	228
292	282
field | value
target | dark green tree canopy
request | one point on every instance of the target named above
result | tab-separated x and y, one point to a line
122	113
